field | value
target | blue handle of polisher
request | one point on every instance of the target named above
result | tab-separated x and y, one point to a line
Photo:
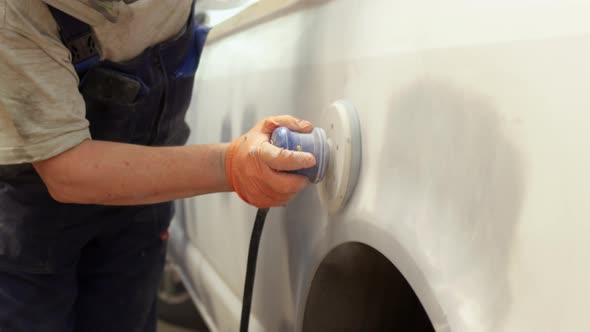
313	143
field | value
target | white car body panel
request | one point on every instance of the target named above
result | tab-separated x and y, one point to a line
476	149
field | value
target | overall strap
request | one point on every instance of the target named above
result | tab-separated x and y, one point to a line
79	38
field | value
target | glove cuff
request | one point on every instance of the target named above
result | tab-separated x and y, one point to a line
230	172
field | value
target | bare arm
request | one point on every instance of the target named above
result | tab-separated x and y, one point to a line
106	173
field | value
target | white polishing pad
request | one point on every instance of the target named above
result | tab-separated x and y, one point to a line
341	123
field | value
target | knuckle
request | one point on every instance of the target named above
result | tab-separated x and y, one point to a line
285	154
269	122
253	150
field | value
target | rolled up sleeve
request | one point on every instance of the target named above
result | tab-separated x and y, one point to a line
42	113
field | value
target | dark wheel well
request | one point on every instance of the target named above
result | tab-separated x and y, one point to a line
356	288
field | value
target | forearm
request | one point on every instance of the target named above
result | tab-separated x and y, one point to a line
106	173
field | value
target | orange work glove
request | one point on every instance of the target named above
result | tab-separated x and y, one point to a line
254	167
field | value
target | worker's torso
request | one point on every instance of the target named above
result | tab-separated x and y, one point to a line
142	100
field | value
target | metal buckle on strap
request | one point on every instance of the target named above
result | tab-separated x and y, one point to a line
83	48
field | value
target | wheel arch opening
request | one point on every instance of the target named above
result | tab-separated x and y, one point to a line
356	288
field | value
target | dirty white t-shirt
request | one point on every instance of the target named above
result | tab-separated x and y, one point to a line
42	113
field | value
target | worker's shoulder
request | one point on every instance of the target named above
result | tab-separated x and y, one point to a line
30	18
28	24
28	31
2	13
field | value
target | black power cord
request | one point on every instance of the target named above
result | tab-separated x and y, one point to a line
251	268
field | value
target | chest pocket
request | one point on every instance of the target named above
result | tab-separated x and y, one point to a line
123	100
143	100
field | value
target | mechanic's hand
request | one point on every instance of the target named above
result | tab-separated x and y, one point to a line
254	167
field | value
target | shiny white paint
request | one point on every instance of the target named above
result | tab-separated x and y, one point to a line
475	158
219	11
221	4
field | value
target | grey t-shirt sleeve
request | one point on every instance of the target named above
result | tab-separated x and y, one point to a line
42	113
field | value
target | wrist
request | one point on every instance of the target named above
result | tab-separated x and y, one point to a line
230	169
224	153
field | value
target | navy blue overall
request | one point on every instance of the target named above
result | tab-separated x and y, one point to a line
68	267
